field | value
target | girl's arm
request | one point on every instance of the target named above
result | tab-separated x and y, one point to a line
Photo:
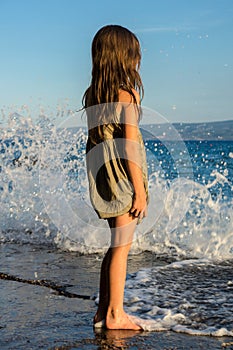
132	153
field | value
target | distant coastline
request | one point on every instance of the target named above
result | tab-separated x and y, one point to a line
215	131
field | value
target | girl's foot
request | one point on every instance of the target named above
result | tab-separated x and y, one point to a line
100	324
122	321
99	320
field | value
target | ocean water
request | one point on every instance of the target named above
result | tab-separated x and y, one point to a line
44	201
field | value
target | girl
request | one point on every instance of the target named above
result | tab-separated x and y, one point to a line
116	165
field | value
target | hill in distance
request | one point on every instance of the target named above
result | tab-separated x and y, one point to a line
215	131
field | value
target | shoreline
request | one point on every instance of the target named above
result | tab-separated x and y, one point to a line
35	317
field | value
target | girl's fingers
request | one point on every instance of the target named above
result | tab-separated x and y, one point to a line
132	210
136	213
139	213
143	213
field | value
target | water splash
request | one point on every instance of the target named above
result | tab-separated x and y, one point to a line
39	160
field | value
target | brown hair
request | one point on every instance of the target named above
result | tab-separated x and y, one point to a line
116	57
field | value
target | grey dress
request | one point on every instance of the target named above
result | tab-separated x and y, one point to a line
111	192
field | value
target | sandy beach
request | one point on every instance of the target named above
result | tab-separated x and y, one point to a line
37	317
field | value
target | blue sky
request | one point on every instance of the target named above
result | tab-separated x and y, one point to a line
187	65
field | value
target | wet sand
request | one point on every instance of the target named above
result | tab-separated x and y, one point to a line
39	317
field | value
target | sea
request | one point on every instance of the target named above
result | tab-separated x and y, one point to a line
45	202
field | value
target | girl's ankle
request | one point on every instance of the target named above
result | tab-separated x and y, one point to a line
115	313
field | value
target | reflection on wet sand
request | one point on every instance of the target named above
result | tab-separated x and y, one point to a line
115	338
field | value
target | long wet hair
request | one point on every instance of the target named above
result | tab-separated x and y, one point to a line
116	57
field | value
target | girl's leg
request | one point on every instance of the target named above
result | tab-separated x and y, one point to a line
104	277
122	228
118	238
104	288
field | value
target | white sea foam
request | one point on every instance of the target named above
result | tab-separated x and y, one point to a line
175	297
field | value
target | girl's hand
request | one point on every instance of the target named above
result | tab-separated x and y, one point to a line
139	206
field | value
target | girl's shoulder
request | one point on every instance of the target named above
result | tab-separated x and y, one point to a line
125	96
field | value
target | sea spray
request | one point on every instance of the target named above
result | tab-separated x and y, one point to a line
45	199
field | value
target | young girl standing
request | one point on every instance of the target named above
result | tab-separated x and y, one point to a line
116	164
